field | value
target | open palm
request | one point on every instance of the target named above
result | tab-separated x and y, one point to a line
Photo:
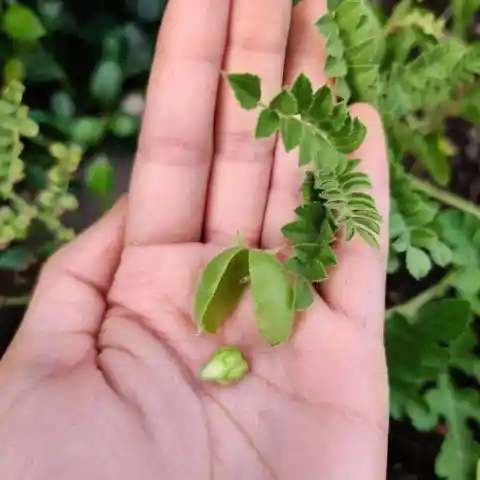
101	380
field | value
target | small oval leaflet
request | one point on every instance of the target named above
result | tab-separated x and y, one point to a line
285	103
100	176
303	294
247	89
303	92
22	24
220	288
106	82
273	297
418	262
268	123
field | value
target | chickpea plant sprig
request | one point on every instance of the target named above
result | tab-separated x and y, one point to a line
334	203
334	200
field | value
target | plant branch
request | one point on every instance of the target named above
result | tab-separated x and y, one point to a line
446	197
50	222
20	301
41	141
412	306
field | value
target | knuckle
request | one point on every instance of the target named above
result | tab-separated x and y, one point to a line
222	237
172	150
241	146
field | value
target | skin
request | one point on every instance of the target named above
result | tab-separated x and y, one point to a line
101	379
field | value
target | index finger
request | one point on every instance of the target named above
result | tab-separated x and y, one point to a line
170	176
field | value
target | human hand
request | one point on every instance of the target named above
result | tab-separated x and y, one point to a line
101	380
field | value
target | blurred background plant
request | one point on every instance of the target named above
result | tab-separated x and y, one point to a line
85	65
74	75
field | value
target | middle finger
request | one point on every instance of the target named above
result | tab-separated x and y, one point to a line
242	165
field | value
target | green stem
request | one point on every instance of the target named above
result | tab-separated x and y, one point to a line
20	301
411	307
446	197
59	230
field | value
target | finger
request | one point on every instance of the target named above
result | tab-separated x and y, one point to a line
170	177
69	297
356	286
242	164
305	55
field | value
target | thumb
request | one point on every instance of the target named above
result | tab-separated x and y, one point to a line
60	326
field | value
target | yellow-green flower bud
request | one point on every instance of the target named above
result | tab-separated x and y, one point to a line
226	366
58	150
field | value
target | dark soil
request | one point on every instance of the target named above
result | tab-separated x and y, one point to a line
9	322
411	455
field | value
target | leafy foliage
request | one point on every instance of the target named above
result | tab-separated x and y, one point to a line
460	451
419	349
463	13
421	352
462	233
354	47
412	21
16	214
36	171
428	81
413	229
427	75
113	49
